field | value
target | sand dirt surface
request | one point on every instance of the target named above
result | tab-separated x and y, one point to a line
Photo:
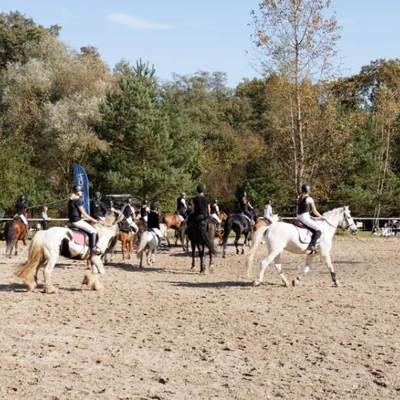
166	332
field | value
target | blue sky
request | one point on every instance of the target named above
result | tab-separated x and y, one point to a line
184	36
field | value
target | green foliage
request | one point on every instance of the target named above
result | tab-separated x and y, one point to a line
133	135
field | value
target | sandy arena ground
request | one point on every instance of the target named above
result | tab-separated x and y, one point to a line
168	333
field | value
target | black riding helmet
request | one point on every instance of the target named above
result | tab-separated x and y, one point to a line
201	188
77	188
154	206
306	188
22	197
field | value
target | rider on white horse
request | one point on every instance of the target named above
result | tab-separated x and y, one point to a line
153	222
129	213
305	204
78	217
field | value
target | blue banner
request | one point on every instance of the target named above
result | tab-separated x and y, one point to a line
80	178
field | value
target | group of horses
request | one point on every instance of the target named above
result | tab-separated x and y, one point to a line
46	246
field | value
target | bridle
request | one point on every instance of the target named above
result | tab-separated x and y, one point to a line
346	219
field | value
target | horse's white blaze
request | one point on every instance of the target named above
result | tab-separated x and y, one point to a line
283	236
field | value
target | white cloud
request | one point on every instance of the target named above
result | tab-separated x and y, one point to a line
135	23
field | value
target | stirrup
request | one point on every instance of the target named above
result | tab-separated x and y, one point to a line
96	251
312	249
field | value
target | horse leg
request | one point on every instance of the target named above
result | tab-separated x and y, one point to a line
48	285
16	247
236	242
193	253
328	262
211	262
278	266
92	280
246	241
264	264
306	270
201	255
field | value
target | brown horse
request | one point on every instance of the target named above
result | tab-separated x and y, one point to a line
172	221
126	239
14	231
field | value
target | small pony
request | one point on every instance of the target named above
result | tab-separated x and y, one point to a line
149	242
14	230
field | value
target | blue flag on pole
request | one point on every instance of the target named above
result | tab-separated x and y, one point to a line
80	178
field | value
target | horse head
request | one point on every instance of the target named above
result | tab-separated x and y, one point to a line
347	220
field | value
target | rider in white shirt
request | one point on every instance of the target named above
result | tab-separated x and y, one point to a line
305	204
268	212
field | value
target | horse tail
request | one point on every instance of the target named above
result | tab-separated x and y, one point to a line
256	241
10	237
206	238
36	257
143	242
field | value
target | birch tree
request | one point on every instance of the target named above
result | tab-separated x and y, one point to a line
297	41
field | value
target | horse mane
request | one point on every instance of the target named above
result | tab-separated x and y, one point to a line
334	211
111	218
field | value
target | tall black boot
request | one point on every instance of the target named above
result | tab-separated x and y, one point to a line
92	244
312	246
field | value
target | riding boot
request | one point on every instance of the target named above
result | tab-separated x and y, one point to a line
312	246
92	244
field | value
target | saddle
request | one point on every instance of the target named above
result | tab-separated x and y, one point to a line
248	219
305	233
79	236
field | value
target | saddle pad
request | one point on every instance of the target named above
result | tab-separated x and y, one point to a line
305	234
79	237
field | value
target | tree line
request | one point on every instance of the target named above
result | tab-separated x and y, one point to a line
134	134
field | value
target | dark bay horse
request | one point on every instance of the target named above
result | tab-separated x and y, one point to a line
241	225
172	221
201	238
14	230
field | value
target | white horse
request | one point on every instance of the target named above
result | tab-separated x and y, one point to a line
284	236
46	246
149	242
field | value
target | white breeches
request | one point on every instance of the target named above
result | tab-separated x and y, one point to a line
308	221
23	219
215	216
132	224
85	226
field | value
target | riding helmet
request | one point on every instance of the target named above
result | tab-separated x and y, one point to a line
144	202
154	206
97	195
77	188
201	188
22	197
306	188
130	200
183	194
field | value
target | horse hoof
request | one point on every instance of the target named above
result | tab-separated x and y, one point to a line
336	283
86	280
97	286
50	289
256	283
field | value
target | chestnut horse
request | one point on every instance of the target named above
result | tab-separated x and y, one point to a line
14	231
172	221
